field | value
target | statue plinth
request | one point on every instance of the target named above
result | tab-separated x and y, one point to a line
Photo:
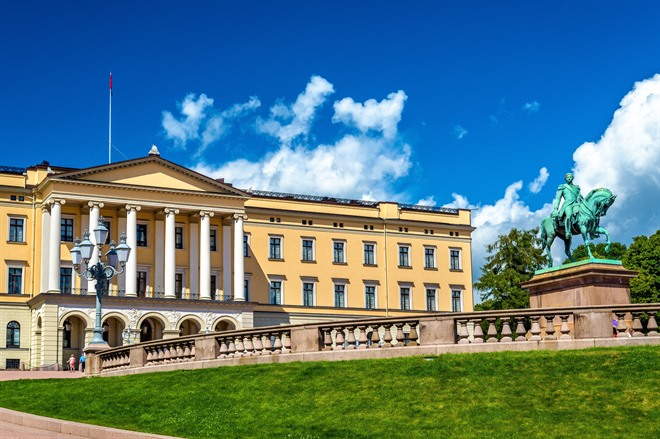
582	283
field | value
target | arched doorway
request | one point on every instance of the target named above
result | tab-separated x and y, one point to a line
151	328
73	337
112	329
224	325
189	327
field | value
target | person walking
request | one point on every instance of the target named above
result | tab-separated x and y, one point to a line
72	363
82	362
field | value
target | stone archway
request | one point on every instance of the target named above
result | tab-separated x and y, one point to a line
224	325
74	328
151	328
112	328
189	326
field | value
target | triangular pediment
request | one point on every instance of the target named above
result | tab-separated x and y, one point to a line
151	172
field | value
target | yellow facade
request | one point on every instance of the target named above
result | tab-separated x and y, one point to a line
303	258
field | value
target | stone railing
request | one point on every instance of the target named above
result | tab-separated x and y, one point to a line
427	334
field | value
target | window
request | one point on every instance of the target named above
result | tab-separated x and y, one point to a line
15	280
308	294
13	363
13	335
178	238
213	286
66	229
430	300
340	295
369	254
16	227
404	256
213	240
275	292
370	297
429	257
246	289
456	301
65	280
275	248
405	298
455	259
141	283
339	254
307	249
178	285
141	240
246	245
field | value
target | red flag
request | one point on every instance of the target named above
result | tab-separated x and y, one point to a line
110	83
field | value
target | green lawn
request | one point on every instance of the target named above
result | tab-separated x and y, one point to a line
588	393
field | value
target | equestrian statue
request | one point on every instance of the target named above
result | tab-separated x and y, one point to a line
577	215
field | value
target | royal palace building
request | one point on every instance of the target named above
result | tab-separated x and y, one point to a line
206	256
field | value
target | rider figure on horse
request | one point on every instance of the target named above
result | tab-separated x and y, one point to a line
572	198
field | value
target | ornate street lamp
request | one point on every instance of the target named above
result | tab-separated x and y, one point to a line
116	259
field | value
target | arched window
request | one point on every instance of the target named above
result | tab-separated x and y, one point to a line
13	335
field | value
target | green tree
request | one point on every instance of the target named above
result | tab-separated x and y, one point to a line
643	256
598	250
511	260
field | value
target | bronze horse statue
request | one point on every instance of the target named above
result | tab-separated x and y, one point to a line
585	221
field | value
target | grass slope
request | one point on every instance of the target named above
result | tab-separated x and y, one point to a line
588	393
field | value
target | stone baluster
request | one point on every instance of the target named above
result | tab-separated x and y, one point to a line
240	347
286	348
637	325
268	344
161	354
536	328
327	339
463	334
350	338
277	347
564	328
339	339
362	337
412	336
223	348
231	347
492	330
387	337
506	329
400	336
478	332
258	345
621	326
652	325
150	355
550	327
192	350
521	331
374	337
249	347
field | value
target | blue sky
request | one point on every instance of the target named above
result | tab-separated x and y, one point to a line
473	104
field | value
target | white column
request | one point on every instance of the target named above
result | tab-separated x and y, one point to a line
239	271
54	246
159	257
94	214
131	241
205	255
45	241
170	254
226	260
193	252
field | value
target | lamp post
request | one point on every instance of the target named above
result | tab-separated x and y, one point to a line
81	253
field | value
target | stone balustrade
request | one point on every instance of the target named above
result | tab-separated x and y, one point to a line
420	334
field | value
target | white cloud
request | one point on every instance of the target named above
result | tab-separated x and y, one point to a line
358	165
532	107
382	116
287	123
536	186
460	132
626	160
428	201
202	124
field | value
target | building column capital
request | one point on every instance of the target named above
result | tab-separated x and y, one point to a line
95	204
206	213
169	210
133	207
53	201
239	217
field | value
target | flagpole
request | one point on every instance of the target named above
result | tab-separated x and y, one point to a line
110	124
